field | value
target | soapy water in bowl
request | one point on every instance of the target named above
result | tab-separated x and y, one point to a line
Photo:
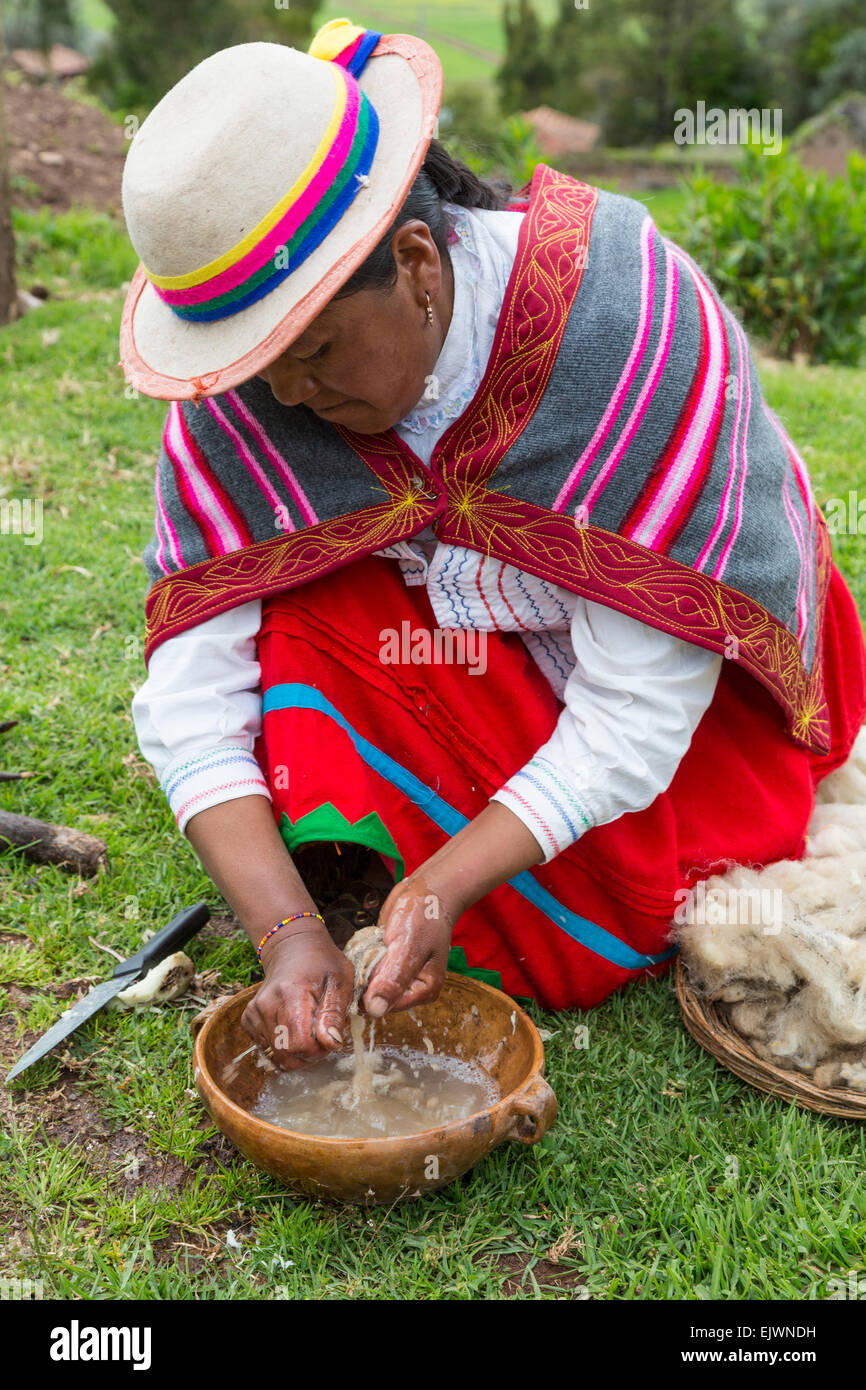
401	1090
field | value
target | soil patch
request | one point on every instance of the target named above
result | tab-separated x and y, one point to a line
68	1114
550	1275
72	153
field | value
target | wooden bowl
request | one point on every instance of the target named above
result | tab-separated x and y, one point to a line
710	1026
496	1034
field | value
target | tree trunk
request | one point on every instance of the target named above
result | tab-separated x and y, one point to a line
8	292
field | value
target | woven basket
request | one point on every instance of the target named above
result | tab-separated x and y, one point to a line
710	1026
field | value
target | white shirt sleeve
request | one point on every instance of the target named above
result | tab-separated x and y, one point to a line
632	704
199	713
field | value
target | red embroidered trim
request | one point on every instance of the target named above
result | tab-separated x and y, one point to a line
524	348
542	287
183	600
543	284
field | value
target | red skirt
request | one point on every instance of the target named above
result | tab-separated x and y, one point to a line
400	757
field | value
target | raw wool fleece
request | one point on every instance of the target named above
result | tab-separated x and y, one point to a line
797	994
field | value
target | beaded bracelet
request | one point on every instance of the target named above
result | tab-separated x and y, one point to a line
285	922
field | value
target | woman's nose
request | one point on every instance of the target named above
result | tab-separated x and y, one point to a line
290	383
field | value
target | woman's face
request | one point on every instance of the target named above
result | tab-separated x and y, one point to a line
364	361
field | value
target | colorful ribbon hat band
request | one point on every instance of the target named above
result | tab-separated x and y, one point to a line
313	205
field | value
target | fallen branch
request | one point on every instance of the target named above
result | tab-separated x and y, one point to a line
45	843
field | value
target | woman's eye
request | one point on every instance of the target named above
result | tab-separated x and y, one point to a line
320	352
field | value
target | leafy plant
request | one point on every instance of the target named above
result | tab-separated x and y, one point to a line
785	247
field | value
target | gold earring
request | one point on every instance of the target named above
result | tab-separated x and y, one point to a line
429	310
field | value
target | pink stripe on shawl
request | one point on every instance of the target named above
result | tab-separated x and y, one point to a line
649	387
675	483
801	474
800	542
741	486
629	371
800	470
253	468
272	454
164	528
200	496
739	414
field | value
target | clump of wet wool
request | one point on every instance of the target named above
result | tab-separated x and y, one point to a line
364	950
793	981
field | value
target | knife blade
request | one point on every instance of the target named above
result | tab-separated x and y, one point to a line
172	936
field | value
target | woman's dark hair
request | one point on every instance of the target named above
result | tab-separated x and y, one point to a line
441	178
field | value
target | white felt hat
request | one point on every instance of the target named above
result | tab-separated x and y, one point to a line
243	200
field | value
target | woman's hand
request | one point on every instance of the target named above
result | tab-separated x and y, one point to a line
419	914
417	929
298	1015
299	1011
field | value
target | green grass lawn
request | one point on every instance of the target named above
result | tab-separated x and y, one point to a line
664	1175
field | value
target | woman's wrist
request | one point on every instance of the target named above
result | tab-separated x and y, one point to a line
242	850
286	940
293	923
486	853
437	890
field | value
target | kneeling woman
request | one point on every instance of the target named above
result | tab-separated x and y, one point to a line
405	410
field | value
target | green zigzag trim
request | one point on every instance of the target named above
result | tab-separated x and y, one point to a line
459	964
327	823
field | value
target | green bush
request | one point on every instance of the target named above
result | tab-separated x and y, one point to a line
786	248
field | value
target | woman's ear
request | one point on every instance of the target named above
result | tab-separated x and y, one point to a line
416	253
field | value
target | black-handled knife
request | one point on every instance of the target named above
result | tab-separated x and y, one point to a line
172	936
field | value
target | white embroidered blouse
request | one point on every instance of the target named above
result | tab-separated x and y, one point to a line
631	696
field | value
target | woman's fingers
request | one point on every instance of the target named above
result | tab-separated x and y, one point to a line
422	990
392	976
283	1024
330	1018
298	1014
413	966
411	972
252	1021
